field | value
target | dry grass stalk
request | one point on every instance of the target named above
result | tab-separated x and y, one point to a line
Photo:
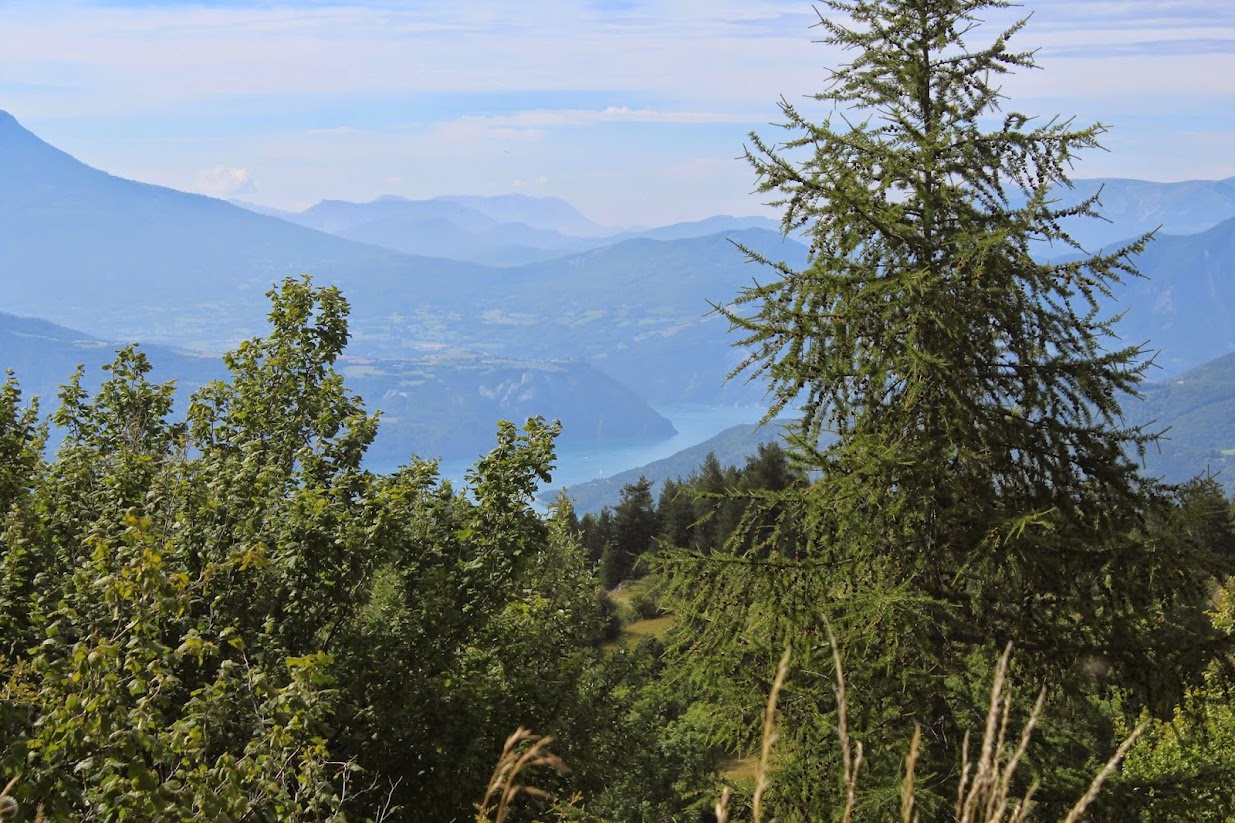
722	806
8	804
965	767
503	786
1101	777
769	734
983	794
907	798
851	754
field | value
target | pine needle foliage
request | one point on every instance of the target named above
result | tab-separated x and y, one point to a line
959	387
923	333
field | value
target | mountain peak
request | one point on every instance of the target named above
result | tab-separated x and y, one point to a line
32	168
11	130
10	126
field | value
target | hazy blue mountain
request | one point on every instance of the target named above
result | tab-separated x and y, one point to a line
487	230
1133	207
550	213
1184	307
1196	412
44	355
336	216
720	224
443	405
125	259
269	211
552	216
638	309
448	405
438	227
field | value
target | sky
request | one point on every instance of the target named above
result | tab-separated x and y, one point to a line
635	111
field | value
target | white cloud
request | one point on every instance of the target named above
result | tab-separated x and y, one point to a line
502	130
135	59
485	133
337	131
546	118
726	55
223	181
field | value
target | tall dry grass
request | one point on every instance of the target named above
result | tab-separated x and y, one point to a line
984	794
985	791
523	751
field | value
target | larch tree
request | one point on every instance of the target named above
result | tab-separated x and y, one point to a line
959	392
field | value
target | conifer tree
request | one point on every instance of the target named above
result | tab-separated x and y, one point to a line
959	403
970	387
634	530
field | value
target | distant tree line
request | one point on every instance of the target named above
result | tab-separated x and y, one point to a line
699	512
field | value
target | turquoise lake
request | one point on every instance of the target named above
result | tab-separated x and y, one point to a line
579	464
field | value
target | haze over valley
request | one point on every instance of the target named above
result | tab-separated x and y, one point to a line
470	309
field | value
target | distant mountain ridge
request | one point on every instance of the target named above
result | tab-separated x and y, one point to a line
88	249
1135	207
127	260
1184	308
547	213
505	230
447	227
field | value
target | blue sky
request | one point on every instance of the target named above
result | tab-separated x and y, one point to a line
633	110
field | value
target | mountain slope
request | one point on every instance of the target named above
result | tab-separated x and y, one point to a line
547	213
720	224
120	257
489	230
640	310
731	447
1196	413
435	406
127	260
440	227
1131	208
1184	307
